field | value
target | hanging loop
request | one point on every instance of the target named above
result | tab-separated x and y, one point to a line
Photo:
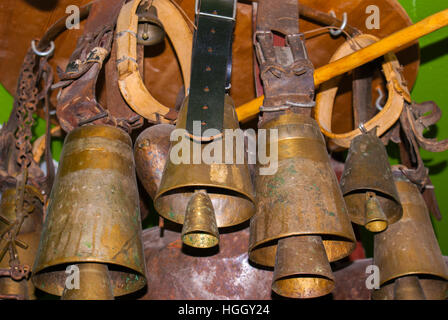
339	30
42	53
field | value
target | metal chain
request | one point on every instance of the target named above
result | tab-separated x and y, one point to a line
26	101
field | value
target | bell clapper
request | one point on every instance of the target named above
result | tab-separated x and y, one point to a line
376	220
302	269
200	229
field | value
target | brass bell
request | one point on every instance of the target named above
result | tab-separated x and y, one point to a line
93	218
367	184
200	229
150	29
227	185
151	151
28	239
407	254
301	222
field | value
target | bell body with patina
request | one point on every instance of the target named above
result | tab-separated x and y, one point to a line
368	186
151	151
93	212
227	184
29	235
302	199
150	29
409	247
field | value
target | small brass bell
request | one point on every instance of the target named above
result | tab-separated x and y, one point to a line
228	186
29	235
200	229
93	219
95	281
301	222
150	29
302	268
367	184
407	254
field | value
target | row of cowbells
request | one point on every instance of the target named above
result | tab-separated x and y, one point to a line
299	224
300	220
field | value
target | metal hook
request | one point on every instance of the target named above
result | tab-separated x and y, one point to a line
42	53
379	99
338	32
362	128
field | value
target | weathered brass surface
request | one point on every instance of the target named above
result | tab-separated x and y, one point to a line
433	289
94	283
302	197
228	185
409	246
302	200
150	152
200	229
302	269
408	288
93	212
367	169
29	234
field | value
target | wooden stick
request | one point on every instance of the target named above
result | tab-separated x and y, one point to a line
400	38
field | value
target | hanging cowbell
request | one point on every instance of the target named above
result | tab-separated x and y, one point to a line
301	222
367	184
407	254
150	29
27	239
151	151
93	219
226	193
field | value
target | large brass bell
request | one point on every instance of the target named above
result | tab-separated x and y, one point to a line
301	222
226	186
407	254
149	29
27	240
367	184
93	219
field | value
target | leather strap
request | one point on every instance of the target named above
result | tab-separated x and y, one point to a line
210	71
130	81
286	71
386	118
77	104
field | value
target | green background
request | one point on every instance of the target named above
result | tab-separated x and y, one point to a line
432	84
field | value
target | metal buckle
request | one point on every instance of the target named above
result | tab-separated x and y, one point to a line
198	12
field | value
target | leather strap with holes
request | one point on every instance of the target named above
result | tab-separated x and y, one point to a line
212	45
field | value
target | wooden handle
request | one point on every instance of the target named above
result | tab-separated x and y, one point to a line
407	35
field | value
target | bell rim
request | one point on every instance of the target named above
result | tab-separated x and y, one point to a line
414	273
296	276
228	222
351	244
38	273
360	219
239	221
160	193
